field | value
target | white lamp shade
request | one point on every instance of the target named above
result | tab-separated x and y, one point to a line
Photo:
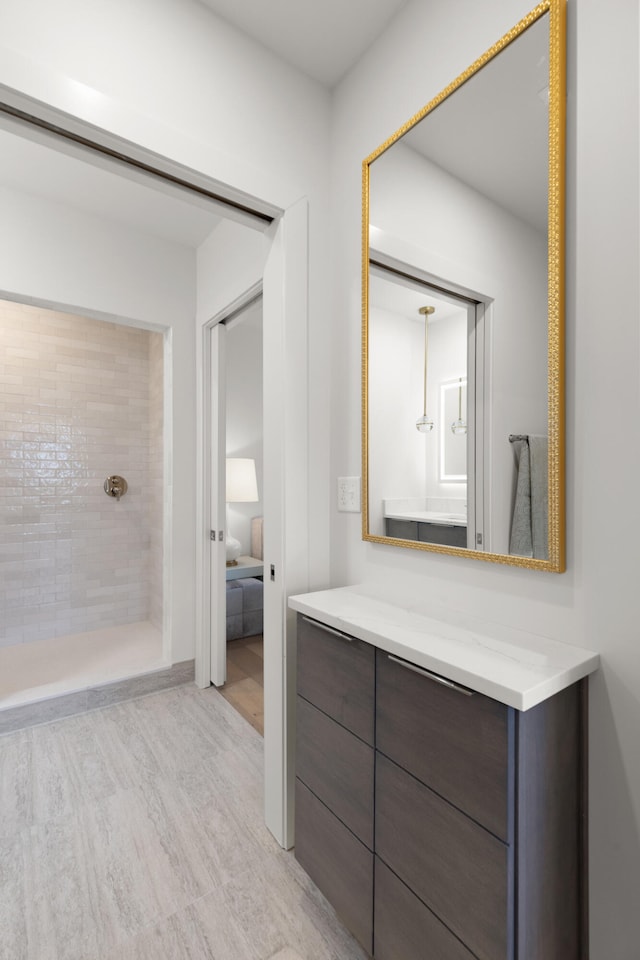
242	486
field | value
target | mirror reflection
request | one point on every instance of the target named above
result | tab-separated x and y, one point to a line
456	370
418	403
454	427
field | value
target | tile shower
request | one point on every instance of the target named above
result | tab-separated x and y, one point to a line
81	399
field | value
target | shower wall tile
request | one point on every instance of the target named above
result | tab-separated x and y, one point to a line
80	399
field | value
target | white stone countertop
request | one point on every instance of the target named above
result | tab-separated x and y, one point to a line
512	666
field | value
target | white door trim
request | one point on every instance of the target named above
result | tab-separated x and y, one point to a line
217	409
285	497
204	416
285	491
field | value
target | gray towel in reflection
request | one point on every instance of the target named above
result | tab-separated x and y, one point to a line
530	525
539	456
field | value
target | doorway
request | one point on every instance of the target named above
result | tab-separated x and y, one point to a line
244	595
187	542
427	372
284	286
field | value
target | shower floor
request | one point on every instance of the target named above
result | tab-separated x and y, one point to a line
48	668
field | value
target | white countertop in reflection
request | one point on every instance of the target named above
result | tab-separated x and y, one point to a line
428	516
512	666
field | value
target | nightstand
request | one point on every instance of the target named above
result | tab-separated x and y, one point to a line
245	567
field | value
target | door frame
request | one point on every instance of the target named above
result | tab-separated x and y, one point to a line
204	520
284	288
478	306
287	305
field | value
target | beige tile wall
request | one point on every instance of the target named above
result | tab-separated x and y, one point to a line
75	406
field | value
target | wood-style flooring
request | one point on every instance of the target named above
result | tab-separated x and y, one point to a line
244	688
135	832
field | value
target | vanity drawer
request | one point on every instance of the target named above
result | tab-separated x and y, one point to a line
404	927
457	868
337	862
443	534
337	675
401	529
337	767
459	745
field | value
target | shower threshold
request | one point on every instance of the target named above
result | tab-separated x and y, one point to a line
44	669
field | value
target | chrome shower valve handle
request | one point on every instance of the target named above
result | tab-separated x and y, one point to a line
115	486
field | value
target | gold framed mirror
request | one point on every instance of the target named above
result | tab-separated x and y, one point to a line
463	312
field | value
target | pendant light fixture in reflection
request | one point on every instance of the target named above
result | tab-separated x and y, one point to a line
424	423
459	426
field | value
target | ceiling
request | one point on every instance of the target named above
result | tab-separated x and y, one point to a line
404	296
322	39
103	189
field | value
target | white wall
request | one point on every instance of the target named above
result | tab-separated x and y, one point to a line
57	255
244	410
229	262
396	453
594	602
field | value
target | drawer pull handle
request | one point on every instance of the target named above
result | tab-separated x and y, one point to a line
323	626
431	676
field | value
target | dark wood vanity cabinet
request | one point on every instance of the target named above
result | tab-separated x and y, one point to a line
440	823
447	534
335	762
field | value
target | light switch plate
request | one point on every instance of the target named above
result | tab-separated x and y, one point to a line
349	494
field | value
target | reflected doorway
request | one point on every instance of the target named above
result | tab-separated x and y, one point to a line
425	375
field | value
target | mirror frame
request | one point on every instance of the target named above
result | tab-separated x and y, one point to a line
556	294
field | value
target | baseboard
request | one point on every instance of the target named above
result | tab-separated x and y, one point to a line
70	704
